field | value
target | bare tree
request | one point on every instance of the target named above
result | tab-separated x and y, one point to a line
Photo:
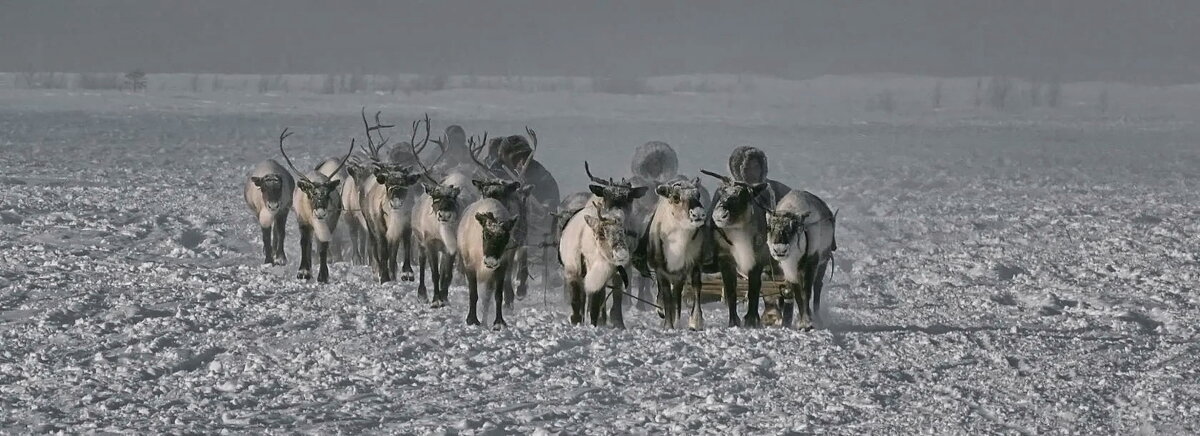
136	80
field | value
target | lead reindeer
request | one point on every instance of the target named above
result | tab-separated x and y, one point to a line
318	206
486	253
268	193
387	206
673	243
800	234
435	228
593	249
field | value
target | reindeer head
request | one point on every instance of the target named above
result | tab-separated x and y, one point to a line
733	199
684	198
611	237
501	190
445	201
784	233
271	186
322	193
397	180
496	234
615	195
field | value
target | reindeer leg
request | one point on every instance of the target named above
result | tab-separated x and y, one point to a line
381	259
616	316
422	294
497	280
804	292
279	229
323	274
575	289
786	304
696	322
818	283
507	285
664	312
268	247
729	285
447	271
406	272
473	298
305	253
596	306
753	295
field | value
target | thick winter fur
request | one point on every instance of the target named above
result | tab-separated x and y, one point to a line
387	206
674	239
318	205
268	193
800	236
749	164
435	229
513	196
740	240
484	252
593	247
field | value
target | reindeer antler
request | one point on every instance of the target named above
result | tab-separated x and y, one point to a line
283	135
417	152
476	150
722	178
372	149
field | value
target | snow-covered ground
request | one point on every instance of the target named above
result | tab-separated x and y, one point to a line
996	274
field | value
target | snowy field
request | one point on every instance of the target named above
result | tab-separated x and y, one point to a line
997	273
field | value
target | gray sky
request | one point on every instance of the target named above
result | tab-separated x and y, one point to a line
1148	41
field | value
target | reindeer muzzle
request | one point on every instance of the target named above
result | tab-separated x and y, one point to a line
396	203
320	212
697	216
779	251
273	205
491	262
445	217
621	256
721	217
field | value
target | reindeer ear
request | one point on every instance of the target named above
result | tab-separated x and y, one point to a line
482	217
428	187
453	191
592	221
597	190
304	184
478	184
333	184
380	177
257	181
663	191
638	192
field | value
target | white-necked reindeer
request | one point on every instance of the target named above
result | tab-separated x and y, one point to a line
318	206
739	215
593	248
654	163
387	206
486	253
800	234
435	223
673	242
268	193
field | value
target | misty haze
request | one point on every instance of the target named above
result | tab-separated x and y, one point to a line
560	217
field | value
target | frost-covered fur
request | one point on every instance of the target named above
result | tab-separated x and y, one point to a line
435	229
800	237
318	205
592	249
387	208
268	194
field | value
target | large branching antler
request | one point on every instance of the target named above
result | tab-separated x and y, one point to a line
416	151
284	135
477	149
372	149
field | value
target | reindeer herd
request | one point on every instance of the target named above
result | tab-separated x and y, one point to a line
476	206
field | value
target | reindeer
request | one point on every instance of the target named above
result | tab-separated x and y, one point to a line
268	193
435	226
800	234
485	250
673	243
318	206
387	207
740	245
593	249
360	169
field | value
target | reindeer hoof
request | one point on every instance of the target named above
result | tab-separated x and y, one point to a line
751	321
734	322
407	276
281	260
323	277
304	275
472	320
499	325
576	319
617	324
